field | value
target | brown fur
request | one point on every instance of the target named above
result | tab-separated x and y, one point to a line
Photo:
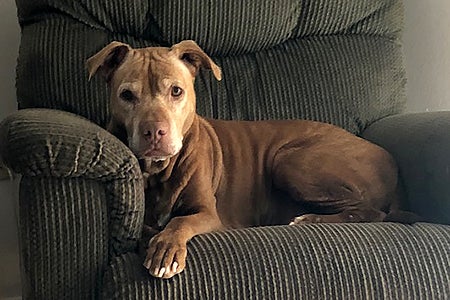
206	175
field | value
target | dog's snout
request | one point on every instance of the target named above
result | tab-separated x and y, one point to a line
154	130
161	132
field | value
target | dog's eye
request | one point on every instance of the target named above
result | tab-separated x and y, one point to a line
176	91
127	95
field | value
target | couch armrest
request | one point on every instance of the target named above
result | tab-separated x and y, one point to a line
420	143
57	144
314	261
49	142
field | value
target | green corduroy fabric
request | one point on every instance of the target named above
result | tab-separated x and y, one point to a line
82	193
64	237
55	144
420	144
81	200
330	61
318	261
225	28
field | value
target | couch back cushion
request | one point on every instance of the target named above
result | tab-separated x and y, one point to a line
333	61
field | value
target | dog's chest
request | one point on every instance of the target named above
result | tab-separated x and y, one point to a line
159	202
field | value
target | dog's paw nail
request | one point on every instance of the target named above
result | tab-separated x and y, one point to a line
161	272
174	267
147	263
292	223
308	218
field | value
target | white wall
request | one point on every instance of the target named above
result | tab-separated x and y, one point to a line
9	251
427	49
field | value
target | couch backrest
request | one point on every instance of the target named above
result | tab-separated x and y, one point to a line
338	61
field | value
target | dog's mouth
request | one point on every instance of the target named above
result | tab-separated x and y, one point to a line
157	155
158	152
155	150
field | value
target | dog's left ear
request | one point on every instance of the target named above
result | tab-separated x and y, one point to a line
195	58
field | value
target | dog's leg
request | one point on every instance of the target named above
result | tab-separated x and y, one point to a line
346	216
167	251
328	189
195	214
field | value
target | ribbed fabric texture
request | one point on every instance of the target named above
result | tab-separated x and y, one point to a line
82	194
335	62
64	237
226	28
377	17
320	261
58	79
347	81
420	144
55	144
81	200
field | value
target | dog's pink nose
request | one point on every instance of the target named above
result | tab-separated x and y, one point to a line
154	130
162	132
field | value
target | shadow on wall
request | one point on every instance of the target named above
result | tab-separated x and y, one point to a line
427	50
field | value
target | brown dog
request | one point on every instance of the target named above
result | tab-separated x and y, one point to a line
206	175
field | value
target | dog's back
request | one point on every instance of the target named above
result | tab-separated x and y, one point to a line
257	156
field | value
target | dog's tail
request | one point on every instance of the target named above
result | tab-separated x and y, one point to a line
404	217
396	214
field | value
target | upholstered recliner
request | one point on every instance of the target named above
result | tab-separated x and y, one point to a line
81	192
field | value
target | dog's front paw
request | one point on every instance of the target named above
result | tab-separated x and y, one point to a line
166	256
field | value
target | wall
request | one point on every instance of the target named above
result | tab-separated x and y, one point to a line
9	251
427	50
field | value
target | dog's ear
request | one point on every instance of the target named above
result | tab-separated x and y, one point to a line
107	60
195	58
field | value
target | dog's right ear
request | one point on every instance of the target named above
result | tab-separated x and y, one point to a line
107	60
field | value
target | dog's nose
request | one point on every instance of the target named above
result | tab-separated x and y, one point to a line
154	130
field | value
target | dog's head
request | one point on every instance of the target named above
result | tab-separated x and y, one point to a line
152	93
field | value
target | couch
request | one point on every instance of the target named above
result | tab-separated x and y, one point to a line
81	191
